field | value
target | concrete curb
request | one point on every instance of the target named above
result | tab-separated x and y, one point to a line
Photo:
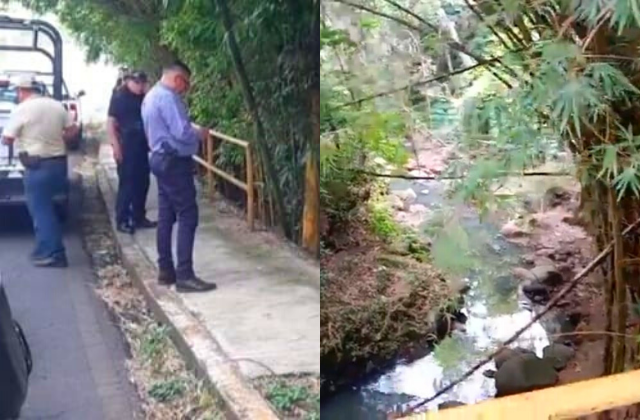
196	344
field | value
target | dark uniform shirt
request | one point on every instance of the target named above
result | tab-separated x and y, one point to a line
125	107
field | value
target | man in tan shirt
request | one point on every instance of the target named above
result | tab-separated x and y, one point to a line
39	127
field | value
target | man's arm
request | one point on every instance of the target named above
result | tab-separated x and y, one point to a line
180	127
112	134
13	128
71	129
112	128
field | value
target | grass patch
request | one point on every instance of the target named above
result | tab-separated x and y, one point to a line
293	397
168	390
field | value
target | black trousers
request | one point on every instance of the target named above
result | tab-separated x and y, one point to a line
176	203
134	178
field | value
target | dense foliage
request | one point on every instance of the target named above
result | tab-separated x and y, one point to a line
532	78
279	59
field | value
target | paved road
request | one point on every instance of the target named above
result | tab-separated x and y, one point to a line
79	371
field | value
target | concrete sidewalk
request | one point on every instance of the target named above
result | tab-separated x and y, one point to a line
265	315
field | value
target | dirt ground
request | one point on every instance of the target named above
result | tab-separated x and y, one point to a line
552	237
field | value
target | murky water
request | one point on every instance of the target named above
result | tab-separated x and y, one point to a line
494	308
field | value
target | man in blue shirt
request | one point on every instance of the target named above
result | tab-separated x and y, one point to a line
173	141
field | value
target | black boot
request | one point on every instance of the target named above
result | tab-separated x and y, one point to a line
166	278
146	224
126	228
194	285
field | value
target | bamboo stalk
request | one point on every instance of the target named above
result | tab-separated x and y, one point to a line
619	306
250	190
209	154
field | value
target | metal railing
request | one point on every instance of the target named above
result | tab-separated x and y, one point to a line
562	402
247	185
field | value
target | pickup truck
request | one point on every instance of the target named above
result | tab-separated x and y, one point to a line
11	170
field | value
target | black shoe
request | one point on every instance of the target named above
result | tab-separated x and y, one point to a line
126	228
146	224
166	278
194	284
51	262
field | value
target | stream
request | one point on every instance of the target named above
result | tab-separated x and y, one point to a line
494	307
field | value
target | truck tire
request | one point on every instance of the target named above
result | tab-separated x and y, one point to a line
15	362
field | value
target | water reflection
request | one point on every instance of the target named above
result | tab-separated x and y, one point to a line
426	376
494	308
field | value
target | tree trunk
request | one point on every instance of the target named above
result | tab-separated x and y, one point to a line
311	214
260	137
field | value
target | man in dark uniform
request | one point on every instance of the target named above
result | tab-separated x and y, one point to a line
130	149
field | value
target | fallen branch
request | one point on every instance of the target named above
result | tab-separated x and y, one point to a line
415	84
552	303
451	177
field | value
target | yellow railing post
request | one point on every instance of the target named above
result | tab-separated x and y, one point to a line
210	178
568	401
250	189
206	160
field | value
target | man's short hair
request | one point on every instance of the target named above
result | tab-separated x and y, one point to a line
177	66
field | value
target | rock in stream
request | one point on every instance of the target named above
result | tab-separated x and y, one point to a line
524	373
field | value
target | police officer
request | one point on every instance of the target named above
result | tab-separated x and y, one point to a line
130	149
41	125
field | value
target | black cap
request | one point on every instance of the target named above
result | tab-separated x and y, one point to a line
139	76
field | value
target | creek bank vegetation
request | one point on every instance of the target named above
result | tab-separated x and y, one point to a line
381	296
534	80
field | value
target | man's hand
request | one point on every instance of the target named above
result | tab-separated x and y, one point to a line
203	132
70	132
117	152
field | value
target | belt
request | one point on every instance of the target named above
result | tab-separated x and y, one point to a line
172	155
59	157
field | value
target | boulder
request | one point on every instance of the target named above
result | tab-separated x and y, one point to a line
556	196
536	292
512	230
396	202
407	196
547	275
509	353
524	373
558	355
449	404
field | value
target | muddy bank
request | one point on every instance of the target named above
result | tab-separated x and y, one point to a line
380	303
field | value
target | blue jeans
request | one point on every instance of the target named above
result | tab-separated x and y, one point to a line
41	185
176	202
